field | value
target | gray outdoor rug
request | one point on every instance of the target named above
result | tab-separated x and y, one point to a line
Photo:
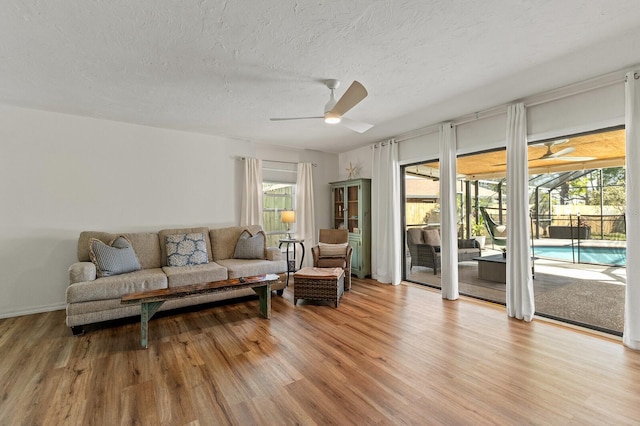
593	303
588	302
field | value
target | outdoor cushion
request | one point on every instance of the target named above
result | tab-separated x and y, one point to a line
431	237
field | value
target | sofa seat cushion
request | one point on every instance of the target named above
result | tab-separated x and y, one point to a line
194	274
246	268
117	286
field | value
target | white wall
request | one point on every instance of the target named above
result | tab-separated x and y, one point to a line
62	174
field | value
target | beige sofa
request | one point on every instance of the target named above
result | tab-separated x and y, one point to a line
91	299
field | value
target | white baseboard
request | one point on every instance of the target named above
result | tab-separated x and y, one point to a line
34	310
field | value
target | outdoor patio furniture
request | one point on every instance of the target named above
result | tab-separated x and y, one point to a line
497	232
428	255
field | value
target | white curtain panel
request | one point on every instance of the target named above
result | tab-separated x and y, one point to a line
386	239
305	216
520	302
631	333
448	213
251	211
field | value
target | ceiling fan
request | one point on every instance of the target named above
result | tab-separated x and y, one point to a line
334	110
550	155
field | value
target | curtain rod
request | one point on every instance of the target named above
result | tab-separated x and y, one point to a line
278	161
543	98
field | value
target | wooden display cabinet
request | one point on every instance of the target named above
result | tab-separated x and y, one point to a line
351	209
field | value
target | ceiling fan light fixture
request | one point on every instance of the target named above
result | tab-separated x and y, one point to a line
331	118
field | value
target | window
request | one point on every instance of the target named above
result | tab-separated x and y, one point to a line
276	197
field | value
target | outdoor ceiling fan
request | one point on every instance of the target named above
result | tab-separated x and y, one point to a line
334	110
562	154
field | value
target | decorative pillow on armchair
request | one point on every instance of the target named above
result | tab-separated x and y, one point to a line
251	246
114	258
333	250
186	249
431	237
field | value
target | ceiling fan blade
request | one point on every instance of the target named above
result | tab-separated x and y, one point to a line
354	94
551	143
356	126
560	153
293	118
576	159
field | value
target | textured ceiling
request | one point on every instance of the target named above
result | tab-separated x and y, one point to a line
226	67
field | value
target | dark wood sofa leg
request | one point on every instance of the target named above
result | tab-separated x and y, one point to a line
77	330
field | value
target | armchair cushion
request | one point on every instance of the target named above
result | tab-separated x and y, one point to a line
333	250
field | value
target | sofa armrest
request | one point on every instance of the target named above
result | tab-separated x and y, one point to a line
81	272
274	253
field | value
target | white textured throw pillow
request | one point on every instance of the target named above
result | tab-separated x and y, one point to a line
333	250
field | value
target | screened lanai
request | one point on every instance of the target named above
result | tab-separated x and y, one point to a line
577	204
553	164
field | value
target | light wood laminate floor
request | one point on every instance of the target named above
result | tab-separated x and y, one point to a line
387	355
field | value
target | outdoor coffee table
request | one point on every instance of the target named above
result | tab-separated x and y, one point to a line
492	268
150	301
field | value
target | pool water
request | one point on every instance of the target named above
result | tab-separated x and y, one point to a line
599	255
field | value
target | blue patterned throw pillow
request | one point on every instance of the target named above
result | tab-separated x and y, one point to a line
114	258
186	249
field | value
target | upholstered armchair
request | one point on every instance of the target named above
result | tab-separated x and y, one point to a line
424	247
333	251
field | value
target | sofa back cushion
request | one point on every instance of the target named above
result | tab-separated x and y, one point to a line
145	245
162	236
224	240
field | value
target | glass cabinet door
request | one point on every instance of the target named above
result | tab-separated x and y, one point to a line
338	208
353	208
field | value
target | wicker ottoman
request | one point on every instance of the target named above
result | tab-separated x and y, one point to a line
318	284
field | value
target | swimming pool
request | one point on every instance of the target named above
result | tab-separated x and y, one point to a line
599	255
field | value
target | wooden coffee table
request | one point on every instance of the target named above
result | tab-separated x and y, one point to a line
150	301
